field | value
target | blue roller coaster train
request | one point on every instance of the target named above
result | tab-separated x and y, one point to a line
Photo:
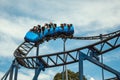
50	31
38	35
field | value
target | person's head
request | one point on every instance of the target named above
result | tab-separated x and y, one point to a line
51	23
68	25
64	24
45	24
55	25
34	27
61	25
39	26
48	27
71	25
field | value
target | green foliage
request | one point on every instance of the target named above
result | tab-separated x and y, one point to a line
71	76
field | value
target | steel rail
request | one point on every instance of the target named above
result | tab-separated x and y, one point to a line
56	59
104	36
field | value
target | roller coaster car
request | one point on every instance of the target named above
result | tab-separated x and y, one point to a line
35	37
31	37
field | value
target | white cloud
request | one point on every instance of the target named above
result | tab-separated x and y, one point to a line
12	30
115	56
16	28
47	75
1	74
92	78
85	15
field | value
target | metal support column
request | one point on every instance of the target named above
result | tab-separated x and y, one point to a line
66	72
37	73
64	59
80	66
36	70
37	53
102	68
64	77
12	72
40	67
16	70
101	38
102	65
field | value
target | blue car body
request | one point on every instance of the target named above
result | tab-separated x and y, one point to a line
34	37
31	36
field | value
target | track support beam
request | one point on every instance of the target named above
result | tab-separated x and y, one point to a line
12	72
81	58
40	67
84	56
38	70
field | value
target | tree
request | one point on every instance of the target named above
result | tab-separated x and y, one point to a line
71	76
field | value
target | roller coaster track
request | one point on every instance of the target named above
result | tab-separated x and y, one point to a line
56	59
106	43
97	37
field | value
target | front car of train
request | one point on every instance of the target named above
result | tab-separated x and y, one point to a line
31	36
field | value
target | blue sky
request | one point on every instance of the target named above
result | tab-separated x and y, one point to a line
90	17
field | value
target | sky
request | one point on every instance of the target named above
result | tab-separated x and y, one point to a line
89	17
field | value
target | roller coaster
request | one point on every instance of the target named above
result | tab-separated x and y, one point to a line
41	62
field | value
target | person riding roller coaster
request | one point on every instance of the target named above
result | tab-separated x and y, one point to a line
69	25
52	25
34	29
62	26
39	28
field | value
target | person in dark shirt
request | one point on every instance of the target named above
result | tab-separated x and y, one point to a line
68	26
34	29
52	25
43	29
62	26
47	26
39	28
55	25
71	25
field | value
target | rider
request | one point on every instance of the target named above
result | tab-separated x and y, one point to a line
39	28
34	29
55	25
62	26
43	29
68	26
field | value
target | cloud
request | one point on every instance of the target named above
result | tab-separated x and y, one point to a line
1	74
7	46
12	32
78	12
48	75
115	56
92	78
85	15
